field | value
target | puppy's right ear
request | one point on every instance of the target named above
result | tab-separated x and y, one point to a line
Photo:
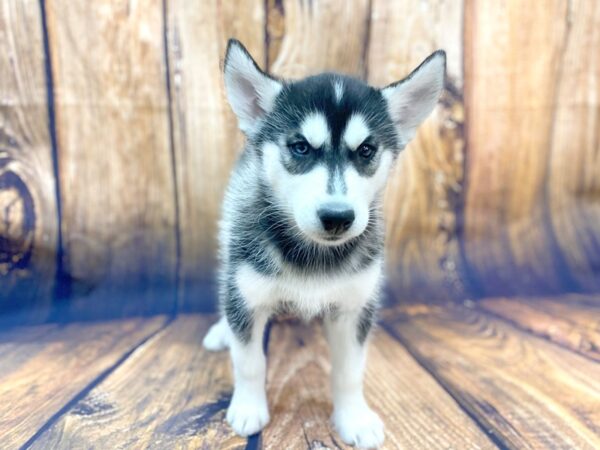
250	91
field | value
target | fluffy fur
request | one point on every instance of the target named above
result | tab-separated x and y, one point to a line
302	227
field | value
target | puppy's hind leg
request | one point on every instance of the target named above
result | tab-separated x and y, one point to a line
356	423
218	337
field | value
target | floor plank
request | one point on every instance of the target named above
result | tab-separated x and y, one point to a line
169	394
529	392
417	412
565	321
44	368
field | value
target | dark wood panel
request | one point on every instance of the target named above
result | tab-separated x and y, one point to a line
28	209
528	392
116	175
513	66
169	394
423	196
416	410
567	320
44	368
205	135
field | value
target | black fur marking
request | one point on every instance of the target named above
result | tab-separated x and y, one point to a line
334	178
260	232
365	322
295	250
317	94
263	228
237	313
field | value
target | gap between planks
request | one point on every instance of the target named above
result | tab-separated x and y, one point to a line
171	392
45	368
417	412
527	391
465	378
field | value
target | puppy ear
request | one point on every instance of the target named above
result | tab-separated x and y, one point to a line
250	91
412	99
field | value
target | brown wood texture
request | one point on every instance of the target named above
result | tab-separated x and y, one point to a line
573	322
147	384
422	199
116	177
28	210
170	393
205	135
43	369
573	184
416	410
532	113
528	392
498	194
312	37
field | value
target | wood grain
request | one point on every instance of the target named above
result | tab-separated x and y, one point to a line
43	369
116	176
423	195
28	210
416	410
169	394
573	184
314	37
564	320
528	392
298	389
205	135
513	66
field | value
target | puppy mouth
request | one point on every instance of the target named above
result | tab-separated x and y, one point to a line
329	240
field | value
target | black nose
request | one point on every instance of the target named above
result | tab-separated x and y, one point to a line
336	217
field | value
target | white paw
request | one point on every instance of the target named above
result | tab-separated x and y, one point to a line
217	338
359	426
247	416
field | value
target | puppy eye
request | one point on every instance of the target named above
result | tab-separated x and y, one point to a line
366	151
300	148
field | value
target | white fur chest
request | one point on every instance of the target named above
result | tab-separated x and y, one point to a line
309	295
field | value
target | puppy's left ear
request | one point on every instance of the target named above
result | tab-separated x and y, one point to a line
412	99
250	91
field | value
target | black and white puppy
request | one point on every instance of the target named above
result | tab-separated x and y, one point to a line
302	227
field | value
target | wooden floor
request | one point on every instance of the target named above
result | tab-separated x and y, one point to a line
496	374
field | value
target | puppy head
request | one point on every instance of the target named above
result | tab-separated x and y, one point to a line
327	142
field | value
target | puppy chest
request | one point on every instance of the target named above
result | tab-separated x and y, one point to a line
309	293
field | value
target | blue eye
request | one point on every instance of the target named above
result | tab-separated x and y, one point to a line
366	151
300	148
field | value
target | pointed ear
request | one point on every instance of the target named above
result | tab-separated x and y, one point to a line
250	91
412	99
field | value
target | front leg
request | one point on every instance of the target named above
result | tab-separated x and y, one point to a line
356	423
248	411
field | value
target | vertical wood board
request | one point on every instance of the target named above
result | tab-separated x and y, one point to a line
425	187
28	209
116	177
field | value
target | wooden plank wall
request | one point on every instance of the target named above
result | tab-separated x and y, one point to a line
28	207
116	143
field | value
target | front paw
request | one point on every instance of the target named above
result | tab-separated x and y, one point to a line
359	426
247	415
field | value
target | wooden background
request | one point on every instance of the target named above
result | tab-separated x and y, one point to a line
116	143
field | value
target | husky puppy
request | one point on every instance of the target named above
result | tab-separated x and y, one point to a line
302	226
